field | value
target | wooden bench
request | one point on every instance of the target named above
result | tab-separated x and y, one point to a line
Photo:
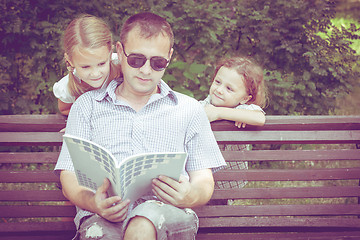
294	191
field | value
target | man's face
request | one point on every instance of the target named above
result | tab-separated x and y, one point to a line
143	80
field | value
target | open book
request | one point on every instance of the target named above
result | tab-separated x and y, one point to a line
132	178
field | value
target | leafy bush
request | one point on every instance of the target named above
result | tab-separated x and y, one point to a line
305	72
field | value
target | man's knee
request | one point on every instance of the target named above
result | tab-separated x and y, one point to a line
140	228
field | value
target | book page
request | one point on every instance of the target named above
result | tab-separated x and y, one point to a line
92	163
136	173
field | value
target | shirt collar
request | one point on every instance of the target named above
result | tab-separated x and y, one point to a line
165	91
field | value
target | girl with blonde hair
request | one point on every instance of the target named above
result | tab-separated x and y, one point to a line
88	52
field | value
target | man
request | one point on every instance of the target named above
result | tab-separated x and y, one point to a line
137	114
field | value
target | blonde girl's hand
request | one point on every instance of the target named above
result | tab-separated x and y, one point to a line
240	124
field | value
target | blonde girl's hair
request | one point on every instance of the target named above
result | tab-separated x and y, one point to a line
253	77
88	32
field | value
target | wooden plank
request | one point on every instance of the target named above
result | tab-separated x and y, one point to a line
256	155
223	175
353	223
296	123
31	138
32	195
305	235
278	210
53	235
287	192
21	211
28	157
38	226
288	174
289	137
55	122
292	155
28	177
32	123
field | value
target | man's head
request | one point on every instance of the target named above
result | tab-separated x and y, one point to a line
149	24
144	50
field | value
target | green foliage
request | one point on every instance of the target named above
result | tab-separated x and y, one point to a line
308	61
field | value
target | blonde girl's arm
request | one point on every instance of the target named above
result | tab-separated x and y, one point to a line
240	116
64	108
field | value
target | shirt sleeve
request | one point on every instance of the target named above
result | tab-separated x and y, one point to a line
250	107
61	90
201	145
78	124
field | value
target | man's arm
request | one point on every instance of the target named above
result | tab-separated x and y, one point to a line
185	193
112	209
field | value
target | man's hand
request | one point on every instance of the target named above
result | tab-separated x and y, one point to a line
172	192
112	208
185	193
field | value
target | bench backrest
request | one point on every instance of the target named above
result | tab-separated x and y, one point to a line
290	185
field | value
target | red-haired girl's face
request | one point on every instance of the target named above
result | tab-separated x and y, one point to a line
228	89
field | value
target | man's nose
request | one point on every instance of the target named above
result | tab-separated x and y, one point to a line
146	68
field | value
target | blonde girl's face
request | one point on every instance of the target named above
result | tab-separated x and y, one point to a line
92	65
228	89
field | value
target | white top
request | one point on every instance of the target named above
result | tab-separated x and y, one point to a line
241	106
61	90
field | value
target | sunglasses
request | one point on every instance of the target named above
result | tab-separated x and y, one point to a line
138	60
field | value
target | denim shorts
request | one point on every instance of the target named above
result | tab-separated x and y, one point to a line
170	223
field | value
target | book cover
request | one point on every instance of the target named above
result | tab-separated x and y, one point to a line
131	178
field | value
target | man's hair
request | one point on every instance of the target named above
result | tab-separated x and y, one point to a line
253	77
149	24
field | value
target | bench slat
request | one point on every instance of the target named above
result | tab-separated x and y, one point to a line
20	211
280	222
275	137
31	138
288	174
279	210
32	123
32	195
28	177
28	157
257	155
251	235
292	155
243	193
227	175
289	137
38	226
298	123
286	192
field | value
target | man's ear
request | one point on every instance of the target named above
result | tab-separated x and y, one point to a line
119	50
171	53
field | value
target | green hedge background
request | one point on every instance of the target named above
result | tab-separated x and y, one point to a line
309	48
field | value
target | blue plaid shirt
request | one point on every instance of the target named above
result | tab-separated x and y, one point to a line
169	122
